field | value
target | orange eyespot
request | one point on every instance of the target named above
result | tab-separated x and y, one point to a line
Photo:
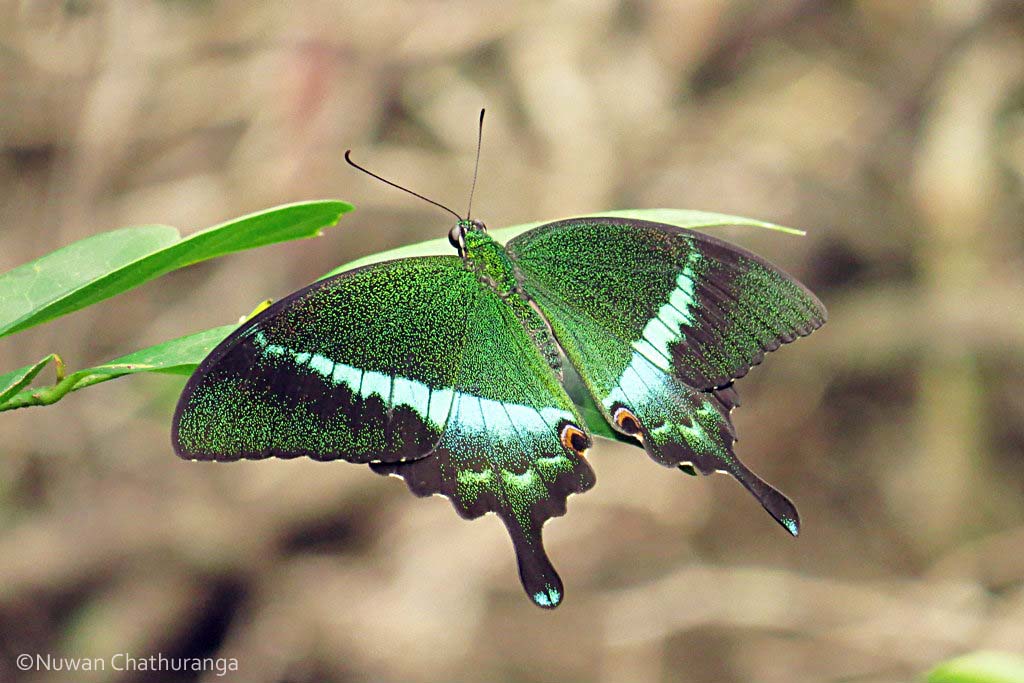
575	439
627	421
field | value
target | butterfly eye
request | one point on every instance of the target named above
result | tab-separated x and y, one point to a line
575	439
455	237
626	420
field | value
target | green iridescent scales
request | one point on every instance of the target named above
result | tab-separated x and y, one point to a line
440	370
621	273
252	397
517	463
394	363
659	322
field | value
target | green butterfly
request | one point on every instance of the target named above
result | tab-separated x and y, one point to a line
447	370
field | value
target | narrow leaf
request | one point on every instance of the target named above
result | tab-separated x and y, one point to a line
682	218
13	382
27	290
178	356
596	424
101	266
980	667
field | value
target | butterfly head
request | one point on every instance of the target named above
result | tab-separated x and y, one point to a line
465	226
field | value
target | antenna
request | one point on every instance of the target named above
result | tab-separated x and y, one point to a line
476	166
348	158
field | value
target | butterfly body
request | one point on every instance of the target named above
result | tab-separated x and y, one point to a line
489	260
446	370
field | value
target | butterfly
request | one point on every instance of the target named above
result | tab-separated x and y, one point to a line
447	371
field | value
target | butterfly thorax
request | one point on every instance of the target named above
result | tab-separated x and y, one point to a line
489	260
494	268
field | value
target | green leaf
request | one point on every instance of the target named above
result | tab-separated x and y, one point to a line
178	356
98	267
596	424
13	382
980	667
682	218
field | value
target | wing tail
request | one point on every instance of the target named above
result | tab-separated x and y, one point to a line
773	500
520	463
682	427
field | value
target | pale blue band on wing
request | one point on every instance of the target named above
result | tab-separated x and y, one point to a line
666	328
433	404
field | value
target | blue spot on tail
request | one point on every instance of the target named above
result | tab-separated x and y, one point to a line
791	526
549	598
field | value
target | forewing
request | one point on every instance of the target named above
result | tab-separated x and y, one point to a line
659	321
704	309
354	367
513	443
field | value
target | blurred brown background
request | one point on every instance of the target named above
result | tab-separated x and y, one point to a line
893	132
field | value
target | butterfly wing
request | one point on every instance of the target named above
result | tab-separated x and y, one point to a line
659	321
352	367
513	444
413	366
